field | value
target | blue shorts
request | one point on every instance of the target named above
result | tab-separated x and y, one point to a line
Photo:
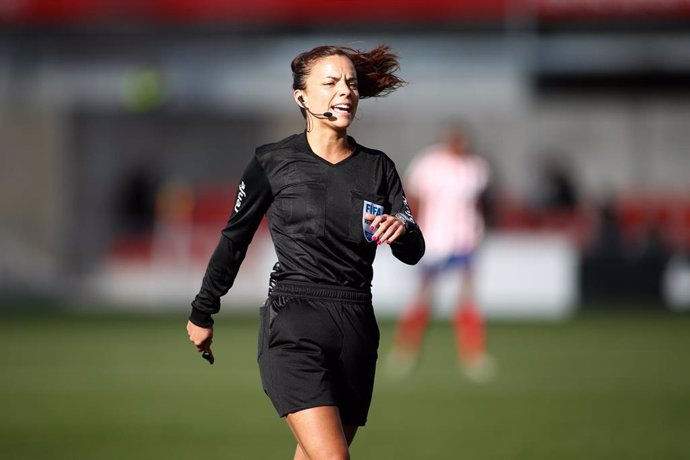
462	260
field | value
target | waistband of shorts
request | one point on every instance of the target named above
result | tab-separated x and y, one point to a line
320	291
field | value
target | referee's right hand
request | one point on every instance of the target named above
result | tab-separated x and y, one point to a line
201	337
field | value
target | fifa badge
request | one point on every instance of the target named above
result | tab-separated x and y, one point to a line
369	208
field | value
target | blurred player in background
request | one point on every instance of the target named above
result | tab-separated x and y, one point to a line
445	183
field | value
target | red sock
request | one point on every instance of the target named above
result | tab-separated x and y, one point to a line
411	328
469	331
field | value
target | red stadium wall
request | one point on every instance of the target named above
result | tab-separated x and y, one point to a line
312	12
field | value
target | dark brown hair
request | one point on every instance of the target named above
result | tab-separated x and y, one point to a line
375	69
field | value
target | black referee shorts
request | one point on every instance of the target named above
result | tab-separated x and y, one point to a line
318	347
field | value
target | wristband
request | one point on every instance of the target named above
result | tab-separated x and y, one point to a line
406	221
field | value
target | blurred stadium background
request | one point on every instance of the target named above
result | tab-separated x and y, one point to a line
124	127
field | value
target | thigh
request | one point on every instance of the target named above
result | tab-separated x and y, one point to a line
319	432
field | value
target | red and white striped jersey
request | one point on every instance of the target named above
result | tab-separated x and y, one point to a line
447	187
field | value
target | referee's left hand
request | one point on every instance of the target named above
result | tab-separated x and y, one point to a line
201	337
388	228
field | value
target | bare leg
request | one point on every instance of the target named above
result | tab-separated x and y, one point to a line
299	454
349	430
320	434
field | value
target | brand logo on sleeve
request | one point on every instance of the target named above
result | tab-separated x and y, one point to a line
369	208
406	209
240	196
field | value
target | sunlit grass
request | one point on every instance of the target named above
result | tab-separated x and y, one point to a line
602	386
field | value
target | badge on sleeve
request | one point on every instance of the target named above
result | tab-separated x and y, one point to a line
369	208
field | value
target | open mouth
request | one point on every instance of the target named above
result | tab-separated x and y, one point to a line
342	108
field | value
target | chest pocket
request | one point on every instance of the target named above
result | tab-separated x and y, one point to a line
303	208
356	220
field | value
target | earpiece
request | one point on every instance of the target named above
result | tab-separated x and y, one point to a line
325	115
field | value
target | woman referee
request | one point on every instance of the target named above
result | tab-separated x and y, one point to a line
329	202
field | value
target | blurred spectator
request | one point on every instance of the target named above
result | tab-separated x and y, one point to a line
555	189
135	200
444	184
608	240
624	264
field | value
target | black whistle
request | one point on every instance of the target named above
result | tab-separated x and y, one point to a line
208	356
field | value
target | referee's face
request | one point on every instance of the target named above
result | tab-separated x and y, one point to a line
332	87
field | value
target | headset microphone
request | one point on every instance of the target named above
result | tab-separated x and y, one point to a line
324	115
321	115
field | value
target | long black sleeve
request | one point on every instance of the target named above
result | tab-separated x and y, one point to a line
253	199
315	213
410	247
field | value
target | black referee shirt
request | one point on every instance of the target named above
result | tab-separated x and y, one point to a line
314	211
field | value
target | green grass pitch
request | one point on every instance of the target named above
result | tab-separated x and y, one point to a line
599	386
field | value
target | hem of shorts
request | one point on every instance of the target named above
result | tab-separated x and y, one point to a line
285	413
292	410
